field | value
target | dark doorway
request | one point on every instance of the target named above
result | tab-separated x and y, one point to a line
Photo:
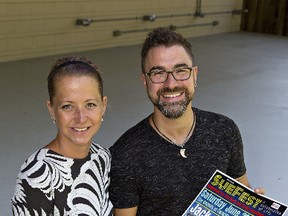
265	16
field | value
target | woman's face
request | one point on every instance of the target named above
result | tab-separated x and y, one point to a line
77	108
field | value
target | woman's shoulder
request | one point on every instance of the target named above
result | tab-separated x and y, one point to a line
37	169
44	157
37	157
99	149
42	173
43	164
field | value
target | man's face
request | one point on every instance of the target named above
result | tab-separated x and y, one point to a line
170	97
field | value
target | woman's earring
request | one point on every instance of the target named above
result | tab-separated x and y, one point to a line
195	85
53	120
102	119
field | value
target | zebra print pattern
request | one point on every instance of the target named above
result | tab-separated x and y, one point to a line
51	184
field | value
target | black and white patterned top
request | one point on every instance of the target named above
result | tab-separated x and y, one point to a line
51	184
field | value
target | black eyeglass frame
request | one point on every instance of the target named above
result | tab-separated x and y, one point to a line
171	72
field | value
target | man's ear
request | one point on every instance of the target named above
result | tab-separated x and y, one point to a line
195	74
143	78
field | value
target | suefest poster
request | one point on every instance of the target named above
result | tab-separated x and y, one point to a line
223	196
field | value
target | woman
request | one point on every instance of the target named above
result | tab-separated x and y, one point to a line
70	175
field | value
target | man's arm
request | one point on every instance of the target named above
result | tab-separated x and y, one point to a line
126	211
244	180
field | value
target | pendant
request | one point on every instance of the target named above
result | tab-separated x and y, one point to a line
182	153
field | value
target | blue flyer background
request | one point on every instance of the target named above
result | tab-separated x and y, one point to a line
224	196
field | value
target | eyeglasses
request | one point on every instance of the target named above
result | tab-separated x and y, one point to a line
179	74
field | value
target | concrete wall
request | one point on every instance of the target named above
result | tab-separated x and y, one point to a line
35	28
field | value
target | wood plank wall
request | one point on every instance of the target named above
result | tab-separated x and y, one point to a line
265	16
35	28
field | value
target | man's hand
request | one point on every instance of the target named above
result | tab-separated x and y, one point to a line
260	190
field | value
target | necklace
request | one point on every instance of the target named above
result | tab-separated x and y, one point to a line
182	150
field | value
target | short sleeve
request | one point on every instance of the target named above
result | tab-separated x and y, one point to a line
123	188
236	166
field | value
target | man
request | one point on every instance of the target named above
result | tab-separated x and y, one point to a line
160	165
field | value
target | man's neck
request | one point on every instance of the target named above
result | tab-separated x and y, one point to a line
177	130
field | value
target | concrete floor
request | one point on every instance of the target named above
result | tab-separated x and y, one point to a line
242	75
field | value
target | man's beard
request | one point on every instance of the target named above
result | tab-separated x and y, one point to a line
172	110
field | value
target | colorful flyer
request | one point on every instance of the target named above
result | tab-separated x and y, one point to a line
224	196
